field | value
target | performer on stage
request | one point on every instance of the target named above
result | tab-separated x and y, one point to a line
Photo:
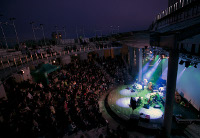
133	103
142	85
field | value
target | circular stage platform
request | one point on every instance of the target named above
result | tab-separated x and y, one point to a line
151	117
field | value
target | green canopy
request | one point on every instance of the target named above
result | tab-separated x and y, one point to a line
47	68
40	75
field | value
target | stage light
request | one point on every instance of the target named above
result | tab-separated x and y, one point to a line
181	62
187	64
149	74
144	69
154	113
124	102
180	75
163	75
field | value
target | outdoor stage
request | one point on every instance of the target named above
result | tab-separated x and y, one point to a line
119	102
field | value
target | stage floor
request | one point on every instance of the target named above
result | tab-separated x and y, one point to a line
119	101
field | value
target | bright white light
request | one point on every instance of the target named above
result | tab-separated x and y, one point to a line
162	89
153	112
152	70
179	75
124	102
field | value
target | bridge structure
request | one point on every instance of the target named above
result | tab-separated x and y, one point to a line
178	23
175	30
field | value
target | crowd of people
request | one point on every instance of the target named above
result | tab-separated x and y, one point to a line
116	68
67	105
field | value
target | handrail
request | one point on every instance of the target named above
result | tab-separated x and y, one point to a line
176	7
188	11
9	65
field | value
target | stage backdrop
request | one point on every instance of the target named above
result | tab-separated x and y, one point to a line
188	82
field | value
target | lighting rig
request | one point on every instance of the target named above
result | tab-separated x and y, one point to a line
188	59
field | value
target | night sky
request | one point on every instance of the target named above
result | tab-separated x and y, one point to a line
130	15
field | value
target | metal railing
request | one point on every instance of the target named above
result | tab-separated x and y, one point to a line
180	11
13	63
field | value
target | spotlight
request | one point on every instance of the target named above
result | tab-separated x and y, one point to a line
162	56
181	62
195	65
187	64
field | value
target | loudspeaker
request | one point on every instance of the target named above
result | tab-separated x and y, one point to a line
146	106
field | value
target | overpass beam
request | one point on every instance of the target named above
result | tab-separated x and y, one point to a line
171	87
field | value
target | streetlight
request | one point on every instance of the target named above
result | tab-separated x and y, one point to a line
4	35
83	32
13	23
65	32
57	33
3	32
33	30
111	29
118	29
41	25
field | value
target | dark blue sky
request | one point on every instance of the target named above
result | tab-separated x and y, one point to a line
130	15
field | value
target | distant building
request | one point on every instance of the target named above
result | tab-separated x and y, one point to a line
54	35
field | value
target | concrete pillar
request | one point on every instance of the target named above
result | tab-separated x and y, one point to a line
170	91
139	63
131	59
